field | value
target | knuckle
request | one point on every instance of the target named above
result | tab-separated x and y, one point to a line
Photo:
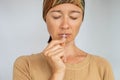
53	41
45	53
58	46
49	55
52	57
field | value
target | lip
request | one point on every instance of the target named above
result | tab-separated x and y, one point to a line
66	35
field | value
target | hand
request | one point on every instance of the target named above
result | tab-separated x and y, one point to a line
54	54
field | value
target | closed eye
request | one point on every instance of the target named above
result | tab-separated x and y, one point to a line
73	18
56	17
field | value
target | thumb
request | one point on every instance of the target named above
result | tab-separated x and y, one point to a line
64	59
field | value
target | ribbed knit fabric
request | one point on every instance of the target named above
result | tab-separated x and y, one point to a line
35	67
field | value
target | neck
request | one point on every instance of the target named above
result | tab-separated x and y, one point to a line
71	49
73	54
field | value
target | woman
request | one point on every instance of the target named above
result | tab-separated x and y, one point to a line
62	59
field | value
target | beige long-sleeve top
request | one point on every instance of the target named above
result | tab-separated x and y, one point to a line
35	67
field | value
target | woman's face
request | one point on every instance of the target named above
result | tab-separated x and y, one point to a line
64	19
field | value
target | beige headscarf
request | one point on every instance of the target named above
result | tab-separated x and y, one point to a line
48	4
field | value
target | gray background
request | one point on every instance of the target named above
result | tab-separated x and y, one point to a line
23	32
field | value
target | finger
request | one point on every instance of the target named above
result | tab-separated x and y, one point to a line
59	54
56	52
64	59
55	42
52	49
56	56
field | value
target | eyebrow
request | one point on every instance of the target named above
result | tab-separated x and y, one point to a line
56	11
72	11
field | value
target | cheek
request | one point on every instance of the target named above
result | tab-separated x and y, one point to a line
75	28
51	26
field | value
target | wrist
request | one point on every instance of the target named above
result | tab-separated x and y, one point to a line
57	76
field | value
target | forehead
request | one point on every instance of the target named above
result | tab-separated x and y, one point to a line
66	6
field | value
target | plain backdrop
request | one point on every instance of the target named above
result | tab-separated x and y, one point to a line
23	32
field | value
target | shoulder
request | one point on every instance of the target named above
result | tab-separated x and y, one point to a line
24	66
102	64
26	60
99	60
21	60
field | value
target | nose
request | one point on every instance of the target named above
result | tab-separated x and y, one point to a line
65	24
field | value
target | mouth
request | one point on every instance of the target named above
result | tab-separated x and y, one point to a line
64	35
